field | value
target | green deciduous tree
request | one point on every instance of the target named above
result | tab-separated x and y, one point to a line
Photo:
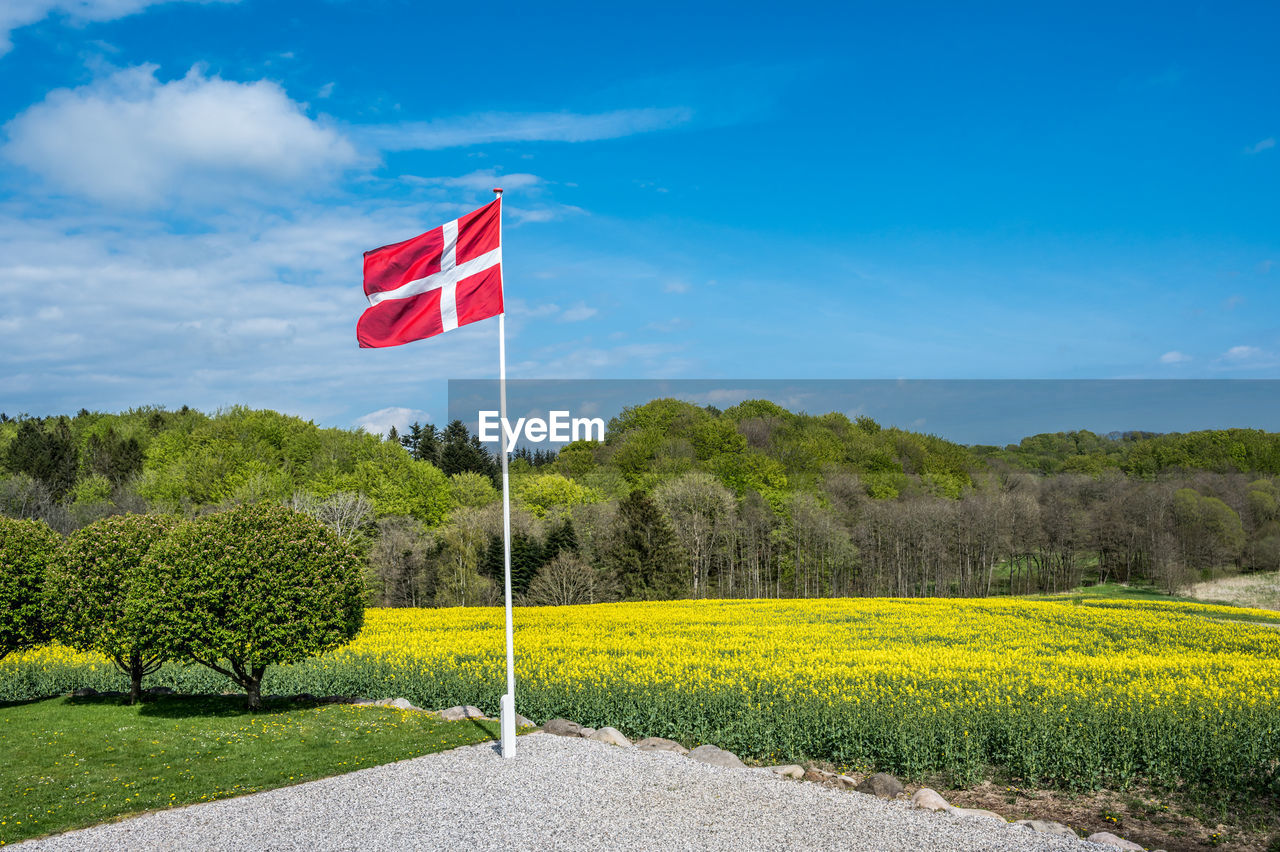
247	588
88	587
473	490
542	493
702	514
1209	531
464	544
27	548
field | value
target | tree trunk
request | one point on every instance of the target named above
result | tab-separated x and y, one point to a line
250	677
253	686
254	690
135	678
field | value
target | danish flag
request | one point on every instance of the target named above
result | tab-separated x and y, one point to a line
433	283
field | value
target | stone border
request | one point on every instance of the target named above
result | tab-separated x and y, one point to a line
880	784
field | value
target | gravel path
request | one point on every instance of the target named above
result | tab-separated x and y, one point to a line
561	794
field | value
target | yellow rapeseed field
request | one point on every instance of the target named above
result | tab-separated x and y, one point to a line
1081	694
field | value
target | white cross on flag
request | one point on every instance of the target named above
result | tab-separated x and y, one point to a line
433	283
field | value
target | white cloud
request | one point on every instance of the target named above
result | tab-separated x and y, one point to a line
1261	145
20	13
131	139
1174	357
380	422
1242	353
675	287
578	313
1248	358
480	180
522	127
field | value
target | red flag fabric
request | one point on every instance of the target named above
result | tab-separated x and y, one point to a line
433	283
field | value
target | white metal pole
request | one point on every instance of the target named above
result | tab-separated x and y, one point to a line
508	720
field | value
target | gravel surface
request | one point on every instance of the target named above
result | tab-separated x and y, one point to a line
558	793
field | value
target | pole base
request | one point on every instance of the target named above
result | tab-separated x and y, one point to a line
508	725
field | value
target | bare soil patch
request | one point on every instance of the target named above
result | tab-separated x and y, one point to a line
1156	819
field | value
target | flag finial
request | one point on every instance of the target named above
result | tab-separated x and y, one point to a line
497	190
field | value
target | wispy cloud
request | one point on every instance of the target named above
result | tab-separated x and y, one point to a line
1248	358
1242	353
20	13
1174	357
578	313
490	127
480	180
1261	145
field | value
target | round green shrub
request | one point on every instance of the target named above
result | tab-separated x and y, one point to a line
27	548
254	586
87	587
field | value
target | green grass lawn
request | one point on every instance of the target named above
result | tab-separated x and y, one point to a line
67	763
1115	591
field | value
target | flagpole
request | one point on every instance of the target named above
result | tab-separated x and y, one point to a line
508	721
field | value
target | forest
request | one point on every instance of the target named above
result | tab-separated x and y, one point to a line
684	501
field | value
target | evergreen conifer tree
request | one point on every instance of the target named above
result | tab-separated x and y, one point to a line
645	554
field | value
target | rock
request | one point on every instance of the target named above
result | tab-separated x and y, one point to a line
1045	826
930	800
158	690
401	704
562	728
818	776
586	733
844	782
881	784
659	744
612	736
460	712
716	756
522	722
84	692
791	770
977	812
1106	838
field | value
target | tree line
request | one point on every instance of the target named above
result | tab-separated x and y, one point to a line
685	501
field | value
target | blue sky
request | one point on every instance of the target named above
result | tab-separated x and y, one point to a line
693	191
